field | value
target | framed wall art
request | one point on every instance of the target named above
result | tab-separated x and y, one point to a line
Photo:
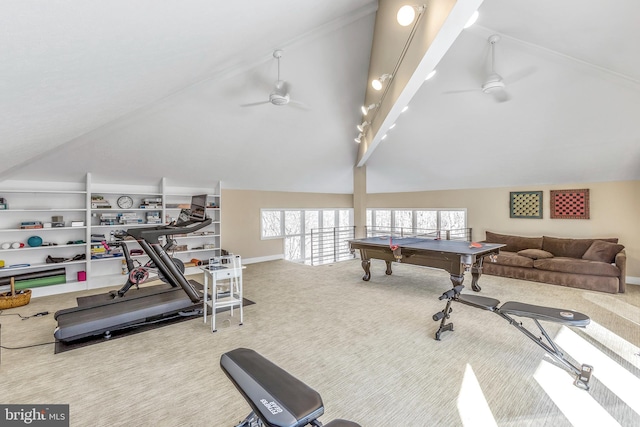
570	204
525	204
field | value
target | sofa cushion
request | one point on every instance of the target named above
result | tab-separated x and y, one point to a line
513	259
577	266
535	253
602	251
515	243
572	248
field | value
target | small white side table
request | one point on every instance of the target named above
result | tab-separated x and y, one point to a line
225	277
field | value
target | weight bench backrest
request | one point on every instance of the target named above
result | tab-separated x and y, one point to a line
275	396
549	314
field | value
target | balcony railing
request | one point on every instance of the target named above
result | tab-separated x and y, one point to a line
453	234
330	245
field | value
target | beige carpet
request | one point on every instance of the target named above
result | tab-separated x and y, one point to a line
367	347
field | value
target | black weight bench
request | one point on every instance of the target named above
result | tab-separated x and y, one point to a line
534	312
277	398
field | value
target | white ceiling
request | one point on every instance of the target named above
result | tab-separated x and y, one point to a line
133	91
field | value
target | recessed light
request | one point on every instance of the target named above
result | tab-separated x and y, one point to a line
392	126
431	74
384	136
406	107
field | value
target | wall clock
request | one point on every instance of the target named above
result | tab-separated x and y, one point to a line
125	202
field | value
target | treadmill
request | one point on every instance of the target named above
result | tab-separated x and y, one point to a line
148	304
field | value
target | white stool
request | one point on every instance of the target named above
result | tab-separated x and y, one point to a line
225	273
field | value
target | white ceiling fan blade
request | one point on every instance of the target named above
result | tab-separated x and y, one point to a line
519	75
450	92
299	104
253	104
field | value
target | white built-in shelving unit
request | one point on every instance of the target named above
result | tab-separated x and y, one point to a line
73	201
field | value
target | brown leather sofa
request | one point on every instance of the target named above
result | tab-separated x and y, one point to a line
593	264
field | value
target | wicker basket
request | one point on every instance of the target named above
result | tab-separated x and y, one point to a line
12	300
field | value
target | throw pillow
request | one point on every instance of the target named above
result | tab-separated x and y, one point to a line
535	253
602	251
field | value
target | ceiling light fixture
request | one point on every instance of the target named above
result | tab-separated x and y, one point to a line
472	20
383	137
363	125
407	14
406	107
377	83
358	139
431	74
366	108
392	126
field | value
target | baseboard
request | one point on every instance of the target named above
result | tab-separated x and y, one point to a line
262	259
633	280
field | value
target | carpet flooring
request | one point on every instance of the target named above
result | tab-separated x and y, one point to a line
368	348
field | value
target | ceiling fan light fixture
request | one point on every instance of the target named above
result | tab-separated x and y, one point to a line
407	14
472	20
377	83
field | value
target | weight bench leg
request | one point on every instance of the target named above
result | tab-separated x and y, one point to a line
583	374
443	316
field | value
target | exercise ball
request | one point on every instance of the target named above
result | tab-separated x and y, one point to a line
34	241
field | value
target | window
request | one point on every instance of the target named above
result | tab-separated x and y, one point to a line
420	219
296	225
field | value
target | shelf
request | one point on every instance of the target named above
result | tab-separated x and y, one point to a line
38	230
195	250
44	191
120	210
123	225
41	265
196	236
125	193
35	248
45	210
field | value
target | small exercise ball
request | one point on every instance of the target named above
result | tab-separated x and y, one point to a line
34	241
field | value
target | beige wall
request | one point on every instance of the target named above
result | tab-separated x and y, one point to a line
241	217
615	208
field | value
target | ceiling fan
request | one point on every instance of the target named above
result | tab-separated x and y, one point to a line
280	93
494	84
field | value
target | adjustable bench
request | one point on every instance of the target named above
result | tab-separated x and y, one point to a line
534	312
277	398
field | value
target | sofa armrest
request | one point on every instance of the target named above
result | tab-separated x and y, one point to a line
621	263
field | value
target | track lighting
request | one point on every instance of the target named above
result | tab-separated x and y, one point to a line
407	14
366	108
377	83
363	125
358	139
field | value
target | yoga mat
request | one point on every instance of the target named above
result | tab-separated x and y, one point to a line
43	281
33	275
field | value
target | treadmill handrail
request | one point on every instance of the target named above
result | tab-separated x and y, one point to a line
151	234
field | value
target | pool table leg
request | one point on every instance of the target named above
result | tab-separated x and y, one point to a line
476	272
366	266
457	279
388	267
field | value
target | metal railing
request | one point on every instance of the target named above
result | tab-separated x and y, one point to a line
331	244
453	234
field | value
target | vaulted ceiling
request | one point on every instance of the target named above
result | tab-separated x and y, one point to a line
134	91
